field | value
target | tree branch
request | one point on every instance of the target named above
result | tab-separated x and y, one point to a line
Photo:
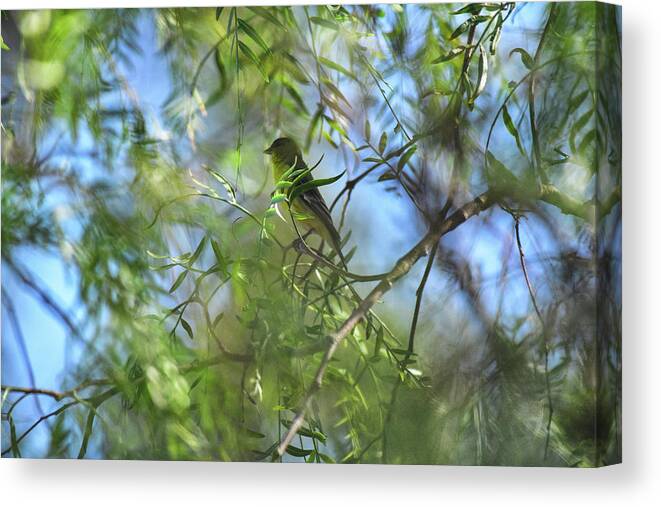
401	268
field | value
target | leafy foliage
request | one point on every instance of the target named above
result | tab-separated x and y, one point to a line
201	317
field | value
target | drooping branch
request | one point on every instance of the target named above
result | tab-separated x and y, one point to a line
400	269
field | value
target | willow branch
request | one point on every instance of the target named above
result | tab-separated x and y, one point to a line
401	268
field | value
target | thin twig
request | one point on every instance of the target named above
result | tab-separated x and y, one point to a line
43	295
549	400
418	299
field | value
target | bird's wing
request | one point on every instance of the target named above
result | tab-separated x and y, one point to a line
315	202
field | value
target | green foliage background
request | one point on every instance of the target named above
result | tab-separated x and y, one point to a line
199	326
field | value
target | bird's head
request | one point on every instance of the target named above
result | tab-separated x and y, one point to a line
285	152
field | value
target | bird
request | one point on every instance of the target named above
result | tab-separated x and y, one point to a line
309	208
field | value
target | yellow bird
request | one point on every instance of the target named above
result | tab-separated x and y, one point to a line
309	208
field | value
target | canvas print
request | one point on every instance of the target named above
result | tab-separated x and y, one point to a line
379	233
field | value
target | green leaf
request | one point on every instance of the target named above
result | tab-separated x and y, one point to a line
335	90
225	182
14	441
468	9
402	351
474	20
587	140
253	433
511	128
198	251
318	435
298	452
368	130
575	103
266	14
219	11
88	432
461	29
187	327
3	45
250	32
383	142
388	175
405	158
499	176
260	455
577	127
278	198
253	57
180	279
336	66
300	189
525	57
495	36
482	71
453	53
296	96
313	126
216	320
217	252
325	23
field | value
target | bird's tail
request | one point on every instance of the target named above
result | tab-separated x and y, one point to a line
334	240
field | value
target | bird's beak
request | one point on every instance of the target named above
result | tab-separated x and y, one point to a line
268	150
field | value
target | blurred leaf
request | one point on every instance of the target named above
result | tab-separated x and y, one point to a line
405	158
198	251
472	8
298	452
525	57
336	66
250	32
482	71
87	433
301	189
453	53
511	128
180	279
187	327
324	22
253	58
383	141
265	13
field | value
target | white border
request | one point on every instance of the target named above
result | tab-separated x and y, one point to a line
636	482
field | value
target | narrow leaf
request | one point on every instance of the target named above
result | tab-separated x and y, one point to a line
511	128
253	57
88	432
453	53
180	279
482	71
266	14
336	66
300	189
250	32
187	327
525	57
405	158
383	142
325	23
